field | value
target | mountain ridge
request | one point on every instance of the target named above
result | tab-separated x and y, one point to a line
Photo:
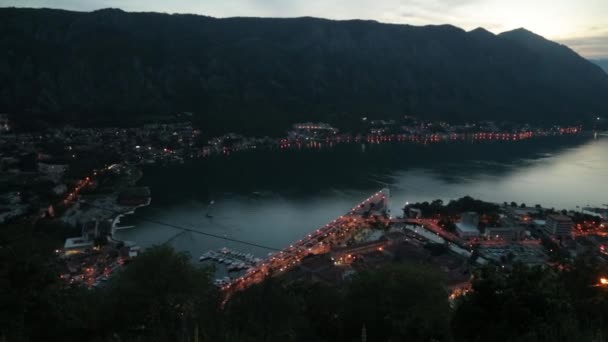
259	75
602	63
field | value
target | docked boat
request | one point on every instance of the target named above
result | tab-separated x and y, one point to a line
206	256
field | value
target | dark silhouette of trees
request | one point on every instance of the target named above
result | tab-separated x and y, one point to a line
455	207
400	302
526	304
162	296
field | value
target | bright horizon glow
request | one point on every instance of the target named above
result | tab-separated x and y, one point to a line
582	25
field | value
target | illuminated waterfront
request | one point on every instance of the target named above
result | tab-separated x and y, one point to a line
275	198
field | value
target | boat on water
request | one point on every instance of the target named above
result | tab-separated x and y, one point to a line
233	260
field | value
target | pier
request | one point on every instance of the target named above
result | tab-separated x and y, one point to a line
320	241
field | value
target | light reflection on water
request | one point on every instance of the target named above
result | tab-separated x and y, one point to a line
274	198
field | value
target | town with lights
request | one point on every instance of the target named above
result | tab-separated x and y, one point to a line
368	237
86	178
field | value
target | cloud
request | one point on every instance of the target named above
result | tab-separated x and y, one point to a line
591	47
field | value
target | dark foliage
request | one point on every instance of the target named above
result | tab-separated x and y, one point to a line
455	208
523	305
259	76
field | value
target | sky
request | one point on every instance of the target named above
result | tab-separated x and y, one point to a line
580	24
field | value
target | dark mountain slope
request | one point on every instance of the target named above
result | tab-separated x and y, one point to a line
260	75
603	63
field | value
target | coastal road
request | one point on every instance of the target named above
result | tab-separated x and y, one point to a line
319	241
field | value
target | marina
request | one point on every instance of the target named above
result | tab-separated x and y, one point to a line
231	260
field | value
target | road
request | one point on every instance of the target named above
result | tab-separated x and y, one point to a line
319	241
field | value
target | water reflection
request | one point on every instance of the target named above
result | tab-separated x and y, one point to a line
274	198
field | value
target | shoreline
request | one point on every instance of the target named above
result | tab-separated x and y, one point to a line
118	217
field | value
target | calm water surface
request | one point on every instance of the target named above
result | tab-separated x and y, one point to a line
275	197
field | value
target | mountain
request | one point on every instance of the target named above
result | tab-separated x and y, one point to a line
603	63
255	75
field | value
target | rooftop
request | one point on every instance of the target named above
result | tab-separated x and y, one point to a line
76	242
560	218
467	228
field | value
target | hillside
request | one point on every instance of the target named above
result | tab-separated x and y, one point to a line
603	63
258	76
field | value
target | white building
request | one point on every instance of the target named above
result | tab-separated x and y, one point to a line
467	227
470	218
559	225
76	245
466	231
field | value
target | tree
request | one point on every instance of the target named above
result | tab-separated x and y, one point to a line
526	304
447	224
271	311
162	296
36	305
436	248
589	301
397	302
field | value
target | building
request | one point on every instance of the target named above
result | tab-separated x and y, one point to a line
466	231
311	130
76	245
504	233
531	255
90	230
470	218
309	126
559	225
523	214
467	227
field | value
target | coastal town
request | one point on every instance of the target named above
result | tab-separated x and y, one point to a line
39	168
87	179
456	238
290	171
